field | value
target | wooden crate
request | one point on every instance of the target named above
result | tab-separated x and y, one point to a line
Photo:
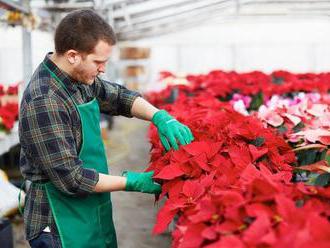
134	53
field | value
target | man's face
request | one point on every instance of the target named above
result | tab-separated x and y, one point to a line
92	64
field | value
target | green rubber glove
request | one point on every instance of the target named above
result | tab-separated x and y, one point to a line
170	130
141	182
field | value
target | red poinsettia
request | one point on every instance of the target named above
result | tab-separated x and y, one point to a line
8	115
232	185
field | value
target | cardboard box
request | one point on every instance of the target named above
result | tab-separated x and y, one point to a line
134	70
133	85
134	53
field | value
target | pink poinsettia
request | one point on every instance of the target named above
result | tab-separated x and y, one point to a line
313	136
309	111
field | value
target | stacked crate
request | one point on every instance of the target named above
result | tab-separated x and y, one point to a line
135	67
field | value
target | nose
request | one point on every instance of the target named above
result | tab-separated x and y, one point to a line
101	68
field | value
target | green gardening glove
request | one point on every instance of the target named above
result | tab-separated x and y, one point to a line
170	130
141	182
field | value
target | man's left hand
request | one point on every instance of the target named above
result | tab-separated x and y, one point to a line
170	130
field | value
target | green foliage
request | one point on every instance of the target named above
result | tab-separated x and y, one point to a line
310	156
322	180
298	127
259	141
282	129
257	101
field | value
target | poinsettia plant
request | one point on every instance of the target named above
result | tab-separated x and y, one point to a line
233	183
257	85
281	112
305	122
8	107
233	186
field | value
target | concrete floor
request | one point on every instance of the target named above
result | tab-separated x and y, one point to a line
134	213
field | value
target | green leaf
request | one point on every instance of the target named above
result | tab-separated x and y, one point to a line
277	80
310	156
323	180
259	141
291	94
257	101
327	156
226	98
298	127
311	178
322	155
173	96
282	129
2	128
262	158
300	203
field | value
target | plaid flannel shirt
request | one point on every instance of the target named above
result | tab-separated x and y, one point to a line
50	138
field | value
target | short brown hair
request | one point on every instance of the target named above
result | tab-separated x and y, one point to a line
81	30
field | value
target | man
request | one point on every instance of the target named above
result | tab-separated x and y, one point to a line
68	203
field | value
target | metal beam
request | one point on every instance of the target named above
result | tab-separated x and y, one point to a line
279	6
114	3
175	22
150	7
27	53
165	29
174	10
181	17
284	3
14	6
65	7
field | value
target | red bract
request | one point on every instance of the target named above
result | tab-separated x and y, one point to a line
257	153
191	192
170	172
240	156
8	115
230	241
206	211
165	216
192	237
12	90
2	91
8	107
260	232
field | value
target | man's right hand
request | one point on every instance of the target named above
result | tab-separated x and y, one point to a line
141	182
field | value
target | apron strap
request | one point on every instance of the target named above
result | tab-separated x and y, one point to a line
59	81
20	207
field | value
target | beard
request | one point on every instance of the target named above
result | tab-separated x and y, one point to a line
80	75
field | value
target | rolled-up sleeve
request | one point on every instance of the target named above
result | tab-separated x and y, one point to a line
114	99
47	138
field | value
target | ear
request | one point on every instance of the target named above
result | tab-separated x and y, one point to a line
73	57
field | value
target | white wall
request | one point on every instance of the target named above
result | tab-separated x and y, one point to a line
245	44
11	55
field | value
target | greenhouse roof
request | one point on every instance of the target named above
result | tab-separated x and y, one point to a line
135	19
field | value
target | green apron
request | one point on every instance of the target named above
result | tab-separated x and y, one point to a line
85	222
